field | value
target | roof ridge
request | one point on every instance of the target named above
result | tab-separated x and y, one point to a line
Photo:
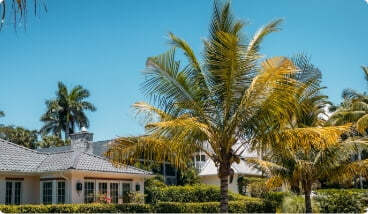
19	146
103	158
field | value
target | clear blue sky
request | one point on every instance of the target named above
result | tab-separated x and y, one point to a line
103	46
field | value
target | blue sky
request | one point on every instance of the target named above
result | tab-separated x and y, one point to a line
103	46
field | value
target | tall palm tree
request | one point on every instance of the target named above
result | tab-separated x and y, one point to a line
226	101
66	111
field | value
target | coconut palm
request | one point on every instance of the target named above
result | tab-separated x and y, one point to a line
66	111
225	102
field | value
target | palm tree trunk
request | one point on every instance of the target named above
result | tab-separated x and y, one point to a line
224	196
224	171
308	201
67	130
360	175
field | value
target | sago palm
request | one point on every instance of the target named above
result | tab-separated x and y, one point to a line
222	101
66	111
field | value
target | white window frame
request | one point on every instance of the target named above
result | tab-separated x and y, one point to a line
54	190
108	194
12	199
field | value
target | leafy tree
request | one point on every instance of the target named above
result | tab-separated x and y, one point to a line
227	101
66	111
52	141
19	135
305	150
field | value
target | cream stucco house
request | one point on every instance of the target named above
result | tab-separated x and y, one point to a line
74	175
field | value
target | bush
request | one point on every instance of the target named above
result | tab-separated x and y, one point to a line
296	204
251	205
196	193
244	181
257	189
341	200
77	208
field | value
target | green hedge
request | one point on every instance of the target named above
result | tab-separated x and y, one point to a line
77	208
341	200
195	193
245	206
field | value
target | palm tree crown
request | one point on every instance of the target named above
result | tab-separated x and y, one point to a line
228	99
66	111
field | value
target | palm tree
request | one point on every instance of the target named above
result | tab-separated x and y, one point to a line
19	135
66	111
304	166
304	150
226	101
18	9
353	109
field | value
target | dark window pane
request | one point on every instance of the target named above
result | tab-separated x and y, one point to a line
114	192
17	192
89	191
47	193
61	193
8	192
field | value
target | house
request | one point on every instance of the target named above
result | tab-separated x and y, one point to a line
74	175
99	148
208	170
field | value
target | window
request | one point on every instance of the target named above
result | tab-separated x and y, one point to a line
47	193
8	192
60	192
199	161
102	188
17	189
13	192
89	191
114	192
126	191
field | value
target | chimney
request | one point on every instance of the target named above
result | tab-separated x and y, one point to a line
82	141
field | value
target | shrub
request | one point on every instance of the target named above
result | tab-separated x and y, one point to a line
196	193
257	189
341	200
296	204
244	181
77	208
251	205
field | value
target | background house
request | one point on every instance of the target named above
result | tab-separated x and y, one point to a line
70	174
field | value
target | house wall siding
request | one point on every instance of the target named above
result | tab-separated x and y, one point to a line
215	181
30	189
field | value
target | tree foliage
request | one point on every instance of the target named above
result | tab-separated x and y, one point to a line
66	111
19	135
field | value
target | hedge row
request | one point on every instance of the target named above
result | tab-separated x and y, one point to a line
77	208
341	200
196	193
248	206
244	206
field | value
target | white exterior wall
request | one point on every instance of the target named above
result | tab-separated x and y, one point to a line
30	188
215	181
79	177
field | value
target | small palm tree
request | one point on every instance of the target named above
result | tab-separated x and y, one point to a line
227	101
66	111
353	109
305	150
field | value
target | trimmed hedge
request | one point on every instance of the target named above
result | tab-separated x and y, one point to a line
247	205
195	193
77	208
341	200
244	206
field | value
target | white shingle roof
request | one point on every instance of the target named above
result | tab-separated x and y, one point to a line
15	158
